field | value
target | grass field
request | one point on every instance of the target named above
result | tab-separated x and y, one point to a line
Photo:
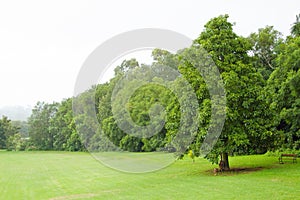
65	175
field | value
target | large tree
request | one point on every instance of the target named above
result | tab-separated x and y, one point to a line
245	111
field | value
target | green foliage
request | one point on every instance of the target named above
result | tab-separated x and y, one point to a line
280	151
16	143
52	127
295	30
65	135
244	125
23	128
261	77
7	132
41	125
126	65
138	106
283	95
225	47
266	46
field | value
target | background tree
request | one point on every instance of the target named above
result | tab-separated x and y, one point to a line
16	142
41	127
138	106
295	30
63	128
284	96
7	130
126	65
23	128
266	45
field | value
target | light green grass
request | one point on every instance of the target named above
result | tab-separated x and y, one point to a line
64	175
135	162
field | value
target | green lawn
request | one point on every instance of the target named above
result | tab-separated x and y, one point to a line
64	175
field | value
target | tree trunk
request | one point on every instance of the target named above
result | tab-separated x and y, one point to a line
225	161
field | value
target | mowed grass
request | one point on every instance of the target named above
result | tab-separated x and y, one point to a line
66	175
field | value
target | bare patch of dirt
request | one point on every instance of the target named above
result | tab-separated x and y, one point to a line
235	171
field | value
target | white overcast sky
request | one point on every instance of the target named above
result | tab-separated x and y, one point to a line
43	44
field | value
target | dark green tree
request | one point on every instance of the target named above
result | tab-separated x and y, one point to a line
244	124
41	127
7	130
284	96
64	130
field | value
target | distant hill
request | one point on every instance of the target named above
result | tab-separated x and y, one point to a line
16	113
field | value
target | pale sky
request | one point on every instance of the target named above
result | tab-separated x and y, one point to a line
43	44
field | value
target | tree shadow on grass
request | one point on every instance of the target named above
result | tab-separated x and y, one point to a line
234	171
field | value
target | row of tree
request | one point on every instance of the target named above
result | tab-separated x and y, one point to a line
261	78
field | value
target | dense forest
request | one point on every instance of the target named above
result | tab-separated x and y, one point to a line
261	76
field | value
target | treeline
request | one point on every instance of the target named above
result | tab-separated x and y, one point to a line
261	78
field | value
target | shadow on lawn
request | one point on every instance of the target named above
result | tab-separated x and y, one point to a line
235	171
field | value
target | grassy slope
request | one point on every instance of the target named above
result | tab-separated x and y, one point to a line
63	175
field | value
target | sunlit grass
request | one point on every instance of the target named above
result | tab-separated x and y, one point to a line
135	162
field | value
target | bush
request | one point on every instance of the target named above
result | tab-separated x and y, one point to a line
278	152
